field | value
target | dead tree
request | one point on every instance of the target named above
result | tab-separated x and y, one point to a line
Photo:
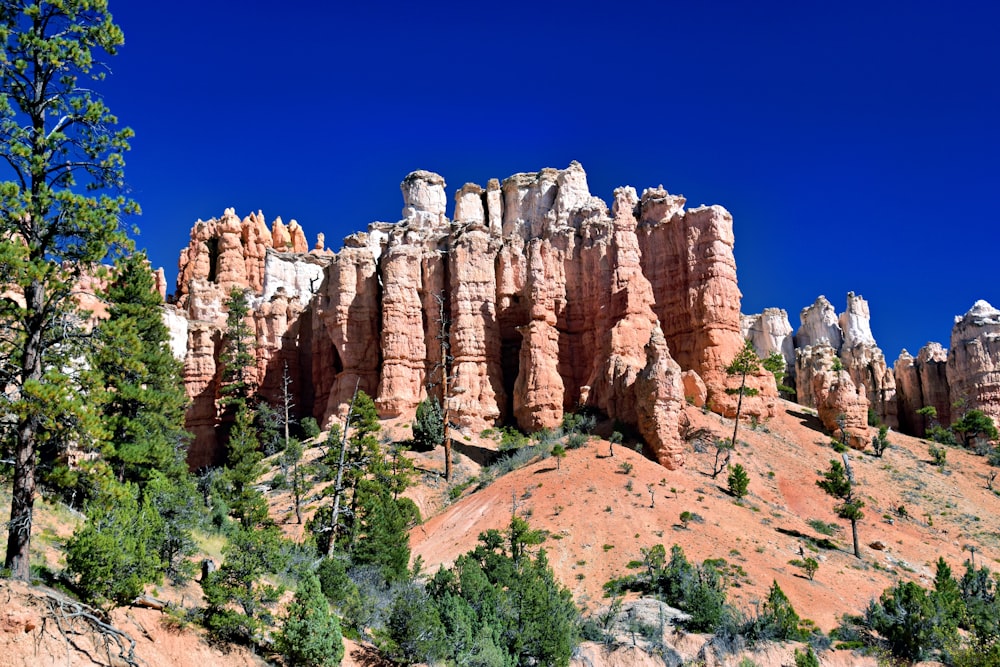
338	489
444	336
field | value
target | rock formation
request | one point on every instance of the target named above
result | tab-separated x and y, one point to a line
229	253
922	382
974	360
770	332
849	338
659	401
839	403
534	300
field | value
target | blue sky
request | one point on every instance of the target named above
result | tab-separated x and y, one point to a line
855	144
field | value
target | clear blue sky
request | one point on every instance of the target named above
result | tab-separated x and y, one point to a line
855	144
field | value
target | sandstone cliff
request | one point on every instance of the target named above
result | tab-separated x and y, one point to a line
922	382
535	299
974	360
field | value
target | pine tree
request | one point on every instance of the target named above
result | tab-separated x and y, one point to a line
738	480
238	359
114	552
243	468
142	399
176	502
59	142
310	635
745	363
428	423
837	483
238	599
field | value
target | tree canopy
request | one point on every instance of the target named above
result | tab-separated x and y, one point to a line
61	205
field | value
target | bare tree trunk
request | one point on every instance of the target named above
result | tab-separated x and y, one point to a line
739	407
339	485
445	373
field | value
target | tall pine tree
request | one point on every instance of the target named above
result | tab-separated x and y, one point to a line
60	216
141	397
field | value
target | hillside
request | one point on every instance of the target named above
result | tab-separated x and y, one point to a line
597	524
598	511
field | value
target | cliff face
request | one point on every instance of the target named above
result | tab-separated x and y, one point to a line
540	298
824	344
974	360
922	382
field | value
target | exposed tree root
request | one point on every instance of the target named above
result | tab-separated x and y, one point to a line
75	619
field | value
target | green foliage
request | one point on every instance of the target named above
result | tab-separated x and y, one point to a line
140	394
973	425
738	480
904	616
938	455
60	218
723	454
810	565
836	483
941	435
335	583
310	429
775	364
823	527
580	423
928	412
698	590
428	423
498	605
176	503
382	539
837	365
238	358
746	362
685	518
880	442
237	596
777	620
559	452
625	468
113	554
511	438
914	624
246	503
310	634
806	659
873	419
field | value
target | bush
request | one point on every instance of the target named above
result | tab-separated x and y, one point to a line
428	424
938	455
310	429
310	635
738	480
114	554
807	659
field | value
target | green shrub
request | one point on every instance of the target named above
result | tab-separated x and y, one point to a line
310	634
807	659
738	480
938	455
428	424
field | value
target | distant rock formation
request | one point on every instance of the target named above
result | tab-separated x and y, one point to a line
822	337
966	376
770	332
922	382
974	360
542	300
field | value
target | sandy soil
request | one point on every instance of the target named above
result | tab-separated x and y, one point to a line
599	517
